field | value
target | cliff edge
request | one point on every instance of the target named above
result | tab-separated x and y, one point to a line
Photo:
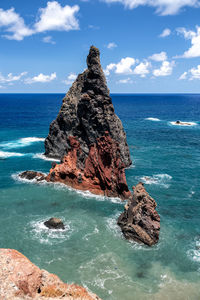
21	279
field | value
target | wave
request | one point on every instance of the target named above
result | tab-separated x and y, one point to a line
88	235
16	177
42	156
153	119
23	142
105	273
194	253
158	179
4	155
183	123
113	227
49	236
62	186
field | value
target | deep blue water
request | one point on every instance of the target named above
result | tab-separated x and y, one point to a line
92	251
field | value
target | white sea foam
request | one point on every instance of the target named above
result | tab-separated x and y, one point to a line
111	224
86	194
194	253
16	177
158	179
45	235
62	186
88	235
42	156
104	272
183	123
191	193
23	142
4	154
153	119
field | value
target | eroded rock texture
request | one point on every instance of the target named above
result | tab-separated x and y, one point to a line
88	137
140	221
21	279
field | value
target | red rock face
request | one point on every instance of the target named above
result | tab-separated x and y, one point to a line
21	279
104	171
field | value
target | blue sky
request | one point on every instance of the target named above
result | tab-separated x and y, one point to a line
147	46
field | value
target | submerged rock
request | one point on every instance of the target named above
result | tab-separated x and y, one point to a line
30	175
140	221
21	279
88	137
54	223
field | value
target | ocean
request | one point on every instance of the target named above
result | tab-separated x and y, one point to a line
91	251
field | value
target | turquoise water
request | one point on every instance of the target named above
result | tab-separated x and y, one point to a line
92	251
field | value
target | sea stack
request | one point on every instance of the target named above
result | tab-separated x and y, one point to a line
140	221
89	137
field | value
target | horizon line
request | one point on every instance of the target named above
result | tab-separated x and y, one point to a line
61	93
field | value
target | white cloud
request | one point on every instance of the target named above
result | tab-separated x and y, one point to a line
11	78
52	17
122	67
195	73
191	74
142	69
183	76
14	24
159	56
166	32
165	69
94	27
41	78
126	80
194	50
70	78
48	39
163	7
111	46
56	17
109	68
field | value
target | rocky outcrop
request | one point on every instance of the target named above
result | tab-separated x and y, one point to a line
21	279
32	175
140	221
88	137
54	223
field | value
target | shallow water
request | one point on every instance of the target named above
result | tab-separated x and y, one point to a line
92	251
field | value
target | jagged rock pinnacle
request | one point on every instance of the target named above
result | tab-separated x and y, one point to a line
87	125
93	57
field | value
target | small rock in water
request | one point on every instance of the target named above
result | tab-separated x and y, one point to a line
30	175
54	223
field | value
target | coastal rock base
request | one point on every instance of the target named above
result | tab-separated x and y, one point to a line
103	173
140	221
21	279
